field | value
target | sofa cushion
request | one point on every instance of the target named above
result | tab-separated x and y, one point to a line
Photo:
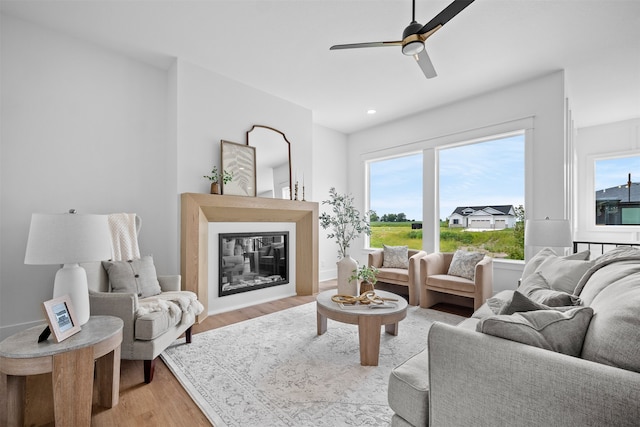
562	332
538	289
151	325
613	337
137	276
451	282
408	392
464	263
547	253
395	257
395	274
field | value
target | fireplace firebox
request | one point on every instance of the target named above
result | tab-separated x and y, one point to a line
250	261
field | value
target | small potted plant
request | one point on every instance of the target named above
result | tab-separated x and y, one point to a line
214	178
367	275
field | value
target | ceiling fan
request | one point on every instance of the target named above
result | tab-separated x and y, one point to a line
414	36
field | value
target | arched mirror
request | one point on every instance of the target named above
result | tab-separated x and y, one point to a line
273	162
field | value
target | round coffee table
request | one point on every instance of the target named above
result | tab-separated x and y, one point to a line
369	321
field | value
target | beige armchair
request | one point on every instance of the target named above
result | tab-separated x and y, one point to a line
151	323
399	276
436	284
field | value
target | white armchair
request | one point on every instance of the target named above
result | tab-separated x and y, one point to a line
151	324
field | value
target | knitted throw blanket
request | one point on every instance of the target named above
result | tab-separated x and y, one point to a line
180	304
124	236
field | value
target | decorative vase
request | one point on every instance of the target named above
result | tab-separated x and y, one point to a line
366	287
215	188
345	270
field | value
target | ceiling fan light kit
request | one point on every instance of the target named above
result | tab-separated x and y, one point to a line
414	36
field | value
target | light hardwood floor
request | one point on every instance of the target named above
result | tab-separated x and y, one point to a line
163	402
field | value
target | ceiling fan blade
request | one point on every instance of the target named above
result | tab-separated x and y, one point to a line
446	15
359	45
425	64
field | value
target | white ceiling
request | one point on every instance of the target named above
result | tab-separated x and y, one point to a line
282	47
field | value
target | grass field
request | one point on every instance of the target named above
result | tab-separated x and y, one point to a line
498	243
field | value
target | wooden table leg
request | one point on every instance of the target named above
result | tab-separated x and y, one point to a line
369	335
72	378
12	412
391	328
108	378
322	323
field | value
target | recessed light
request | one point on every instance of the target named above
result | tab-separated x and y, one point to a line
371	111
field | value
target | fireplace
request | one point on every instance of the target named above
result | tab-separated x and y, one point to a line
250	261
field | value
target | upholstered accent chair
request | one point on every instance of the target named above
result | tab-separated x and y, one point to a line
437	281
154	315
408	276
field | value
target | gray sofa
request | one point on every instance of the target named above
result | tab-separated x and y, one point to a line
470	378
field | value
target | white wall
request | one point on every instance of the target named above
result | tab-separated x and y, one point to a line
87	128
596	142
211	107
330	170
537	105
82	128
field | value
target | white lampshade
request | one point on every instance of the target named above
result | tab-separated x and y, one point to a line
69	239
554	233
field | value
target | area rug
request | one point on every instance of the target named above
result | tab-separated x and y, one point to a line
275	370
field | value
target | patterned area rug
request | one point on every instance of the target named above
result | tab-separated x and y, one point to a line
275	370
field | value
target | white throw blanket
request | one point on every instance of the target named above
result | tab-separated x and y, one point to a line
124	237
182	304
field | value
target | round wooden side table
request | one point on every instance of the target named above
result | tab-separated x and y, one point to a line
71	363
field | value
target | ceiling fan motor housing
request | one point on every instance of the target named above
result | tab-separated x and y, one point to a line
412	43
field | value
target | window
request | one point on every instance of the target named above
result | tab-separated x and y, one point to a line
395	197
481	188
617	197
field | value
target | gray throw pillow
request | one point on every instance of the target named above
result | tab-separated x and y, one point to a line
520	303
547	253
395	257
562	332
136	276
464	263
537	289
563	274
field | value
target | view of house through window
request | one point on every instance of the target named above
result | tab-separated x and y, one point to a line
617	195
482	197
395	199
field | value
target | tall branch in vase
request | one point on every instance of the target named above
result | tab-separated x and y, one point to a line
345	223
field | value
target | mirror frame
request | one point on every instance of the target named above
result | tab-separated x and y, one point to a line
288	152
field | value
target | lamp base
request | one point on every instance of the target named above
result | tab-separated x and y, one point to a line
71	279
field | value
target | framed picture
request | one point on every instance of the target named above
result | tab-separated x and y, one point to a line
240	161
60	317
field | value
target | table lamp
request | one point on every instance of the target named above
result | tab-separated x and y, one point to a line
69	239
555	233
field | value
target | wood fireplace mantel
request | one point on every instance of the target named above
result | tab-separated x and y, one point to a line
198	210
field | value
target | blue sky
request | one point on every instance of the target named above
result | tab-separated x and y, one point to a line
614	172
486	173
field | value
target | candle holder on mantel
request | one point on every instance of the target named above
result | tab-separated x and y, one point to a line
295	191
